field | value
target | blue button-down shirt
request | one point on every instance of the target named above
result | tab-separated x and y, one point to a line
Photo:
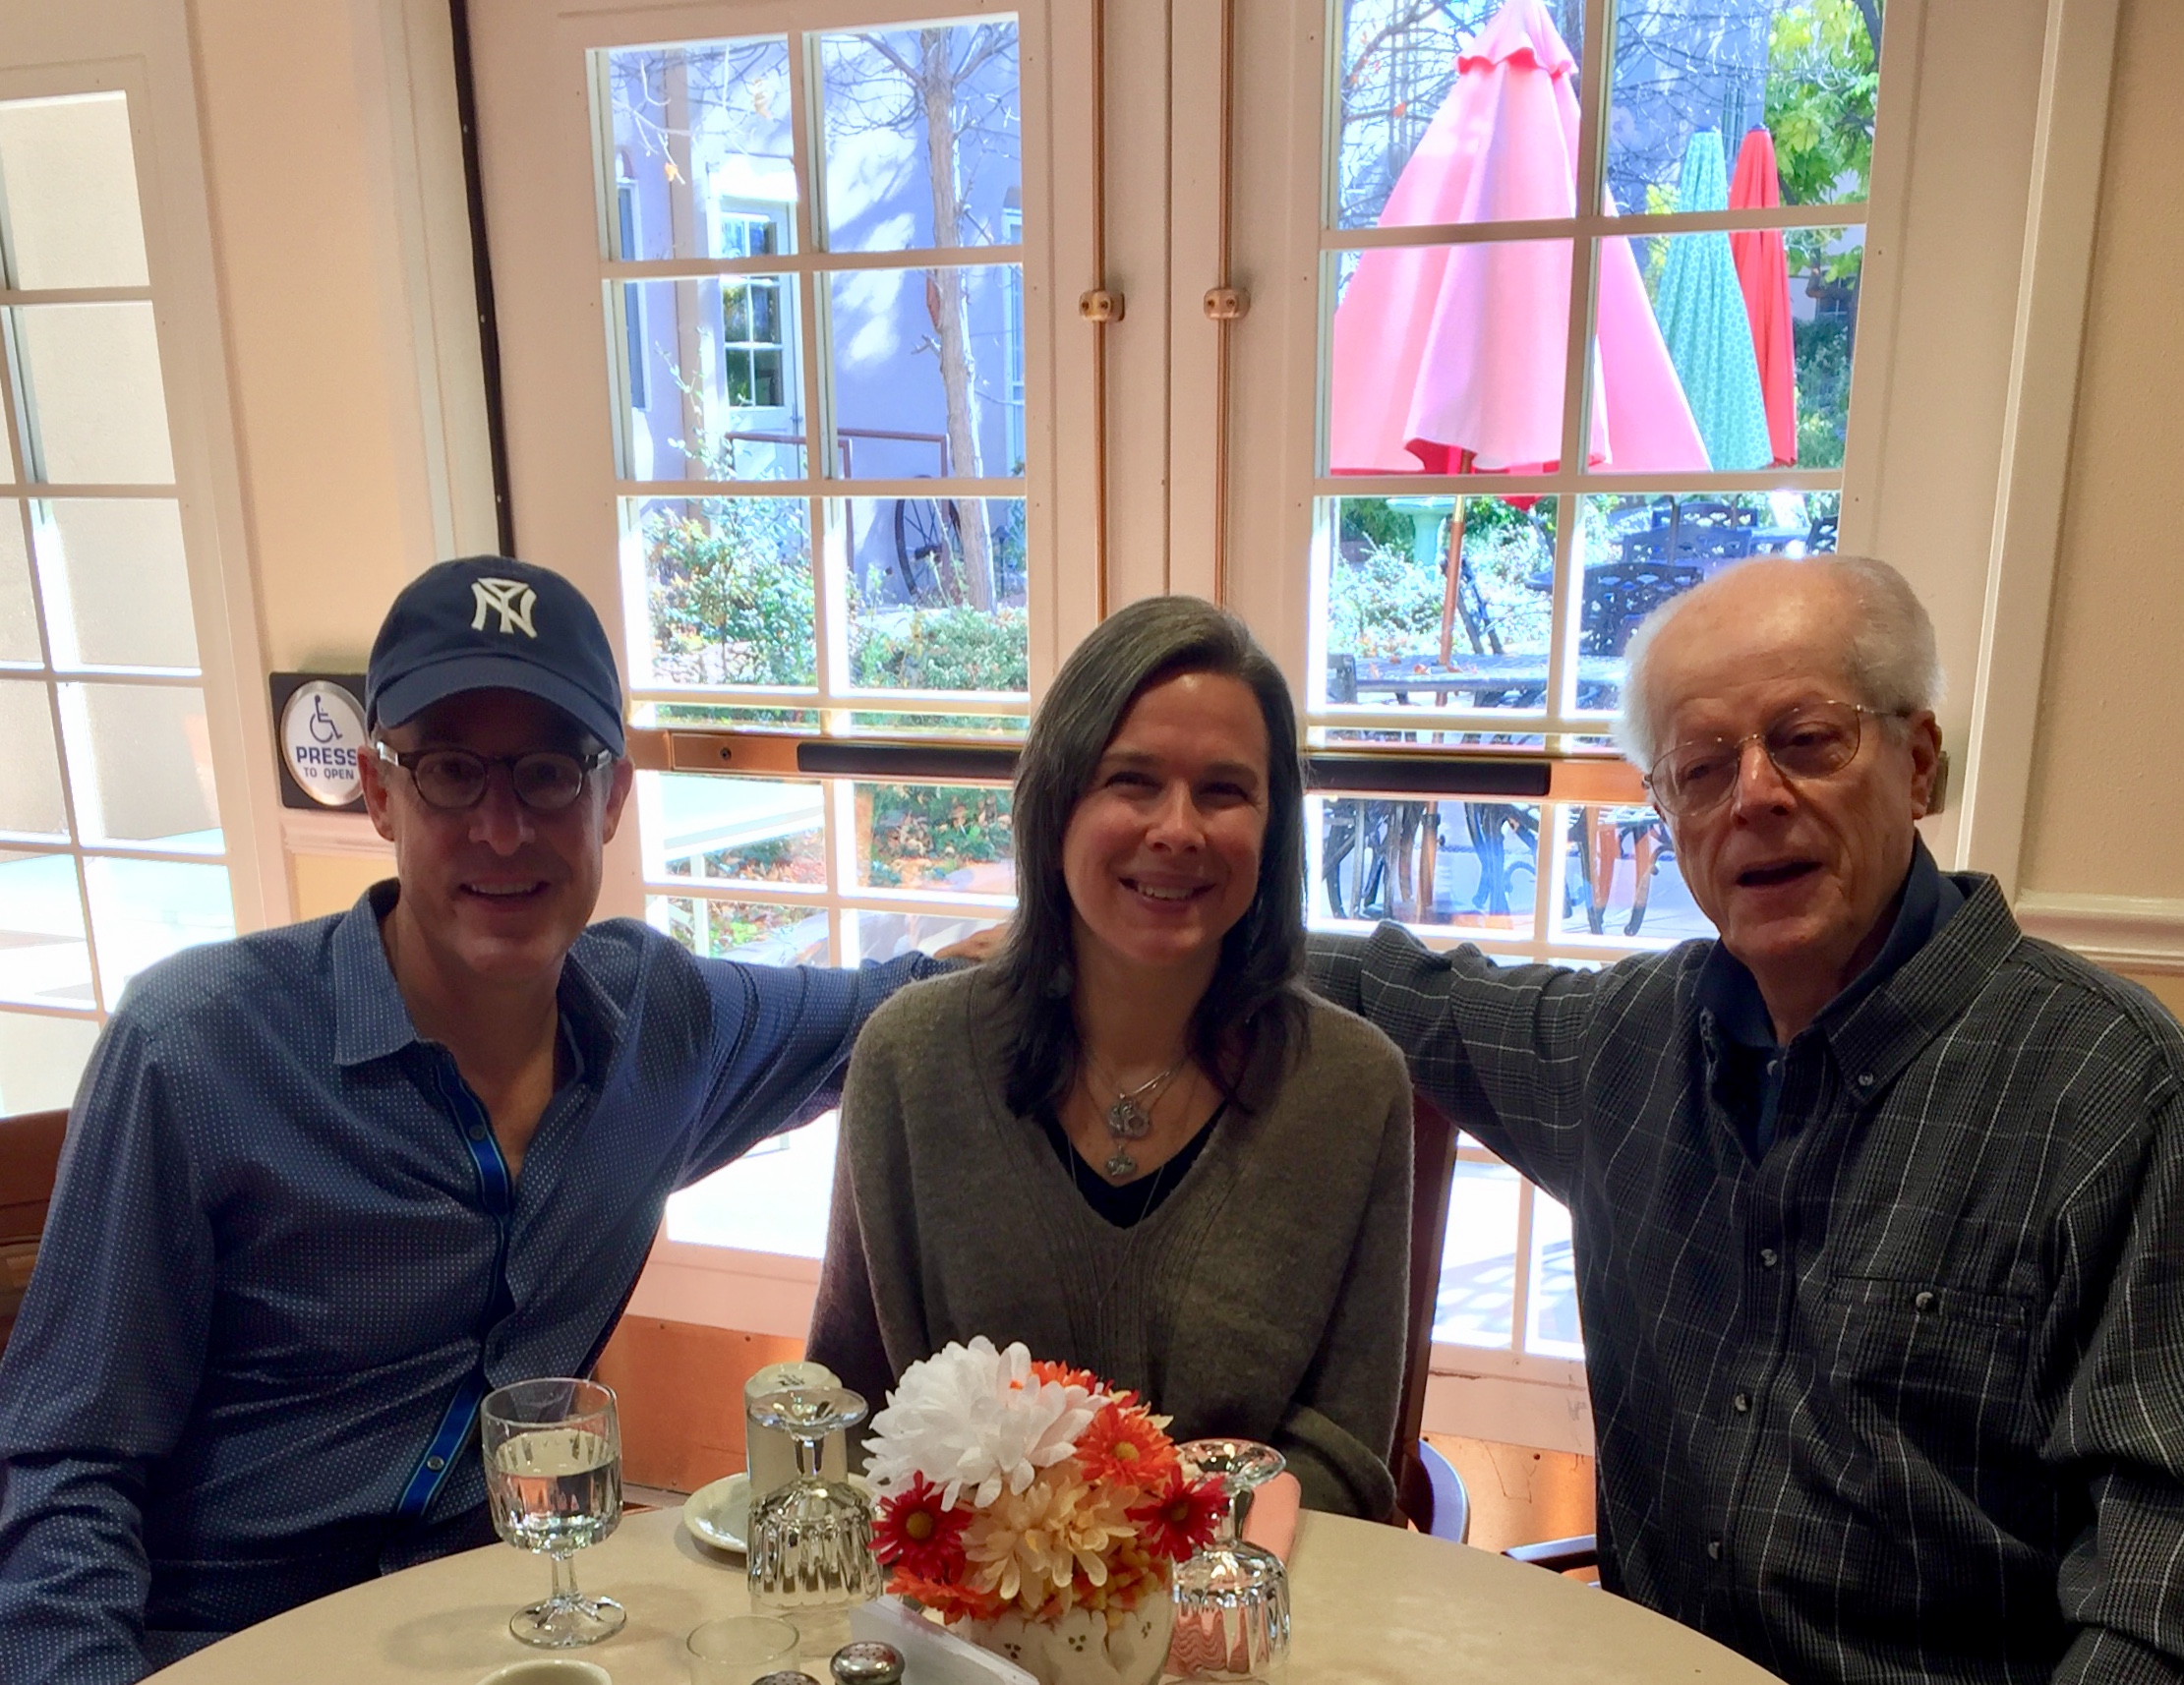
1750	1066
283	1255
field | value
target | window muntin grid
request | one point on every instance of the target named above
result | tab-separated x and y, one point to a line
111	850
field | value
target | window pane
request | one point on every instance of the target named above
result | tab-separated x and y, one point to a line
719	717
43	956
1478	1258
41	1060
937	598
1552	1311
1419	141
891	935
117	590
140	761
1623	880
1449	359
760	933
18	623
934	838
1470	863
772	1200
719	400
142	910
68	186
732	830
1801	76
1736	357
728	587
890	188
91	384
1640	552
896	724
697	123
1388	600
31	802
922	372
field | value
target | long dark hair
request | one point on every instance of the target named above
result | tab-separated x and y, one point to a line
1250	1015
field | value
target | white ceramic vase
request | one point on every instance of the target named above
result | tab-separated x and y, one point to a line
1082	1648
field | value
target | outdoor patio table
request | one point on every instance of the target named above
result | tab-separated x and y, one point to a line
1371	1604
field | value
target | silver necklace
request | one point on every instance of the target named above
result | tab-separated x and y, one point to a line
1127	1119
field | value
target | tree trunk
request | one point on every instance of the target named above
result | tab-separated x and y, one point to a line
944	298
688	236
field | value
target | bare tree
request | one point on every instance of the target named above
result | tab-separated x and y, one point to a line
930	80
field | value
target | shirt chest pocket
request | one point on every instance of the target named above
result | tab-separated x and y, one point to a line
1931	1372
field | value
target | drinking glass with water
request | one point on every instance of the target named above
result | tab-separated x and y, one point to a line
553	1455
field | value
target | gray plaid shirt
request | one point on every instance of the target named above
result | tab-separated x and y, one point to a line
1904	1399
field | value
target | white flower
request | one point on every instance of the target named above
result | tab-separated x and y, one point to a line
973	1419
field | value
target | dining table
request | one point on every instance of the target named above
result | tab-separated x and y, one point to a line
1370	1604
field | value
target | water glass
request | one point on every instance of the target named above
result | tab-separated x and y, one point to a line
739	1650
810	1555
552	1456
1232	1598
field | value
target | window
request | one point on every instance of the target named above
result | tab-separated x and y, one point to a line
112	854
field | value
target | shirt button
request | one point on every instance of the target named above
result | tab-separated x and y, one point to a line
1924	1299
1713	1550
1742	1402
477	1131
1864	1078
435	1464
1769	1257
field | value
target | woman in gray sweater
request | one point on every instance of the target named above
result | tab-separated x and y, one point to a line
1132	1140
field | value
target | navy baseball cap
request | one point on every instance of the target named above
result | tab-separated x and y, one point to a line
488	623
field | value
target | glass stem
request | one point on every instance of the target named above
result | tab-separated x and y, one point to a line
564	1580
1233	1524
807	1456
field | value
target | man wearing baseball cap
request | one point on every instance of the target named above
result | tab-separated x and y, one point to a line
325	1185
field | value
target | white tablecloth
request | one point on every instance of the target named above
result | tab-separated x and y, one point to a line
1371	1604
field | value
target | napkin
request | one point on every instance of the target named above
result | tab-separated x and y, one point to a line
1272	1524
931	1653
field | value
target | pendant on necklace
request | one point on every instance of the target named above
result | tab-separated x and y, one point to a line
1120	1164
1128	1121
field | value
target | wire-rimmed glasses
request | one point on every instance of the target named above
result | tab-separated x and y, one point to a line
1812	740
810	1557
552	1456
1231	1599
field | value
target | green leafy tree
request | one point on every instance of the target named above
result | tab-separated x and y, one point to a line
730	582
1823	72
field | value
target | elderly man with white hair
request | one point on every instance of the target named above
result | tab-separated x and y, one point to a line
1878	1203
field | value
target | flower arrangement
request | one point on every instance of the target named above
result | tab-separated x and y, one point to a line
1010	1485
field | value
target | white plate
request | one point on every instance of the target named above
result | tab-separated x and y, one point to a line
719	1515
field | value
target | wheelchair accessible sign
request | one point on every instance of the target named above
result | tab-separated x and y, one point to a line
321	733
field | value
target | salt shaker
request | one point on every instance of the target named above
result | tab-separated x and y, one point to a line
789	1676
868	1661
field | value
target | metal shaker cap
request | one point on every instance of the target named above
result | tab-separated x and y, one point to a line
868	1661
789	1676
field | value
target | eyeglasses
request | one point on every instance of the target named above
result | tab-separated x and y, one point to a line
545	781
1814	740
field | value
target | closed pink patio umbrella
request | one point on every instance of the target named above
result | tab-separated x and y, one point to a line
1451	358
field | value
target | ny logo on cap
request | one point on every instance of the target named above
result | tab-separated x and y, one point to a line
510	599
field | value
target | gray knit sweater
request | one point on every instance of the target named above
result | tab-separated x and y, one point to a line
1265	1298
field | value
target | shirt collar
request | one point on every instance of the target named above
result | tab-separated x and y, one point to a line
1727	991
372	1020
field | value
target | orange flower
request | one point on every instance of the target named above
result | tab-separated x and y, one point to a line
1123	1447
1063	1374
952	1601
1176	1520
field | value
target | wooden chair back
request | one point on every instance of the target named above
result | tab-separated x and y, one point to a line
1433	1169
29	1153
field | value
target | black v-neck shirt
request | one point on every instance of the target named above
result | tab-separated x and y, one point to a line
1125	1205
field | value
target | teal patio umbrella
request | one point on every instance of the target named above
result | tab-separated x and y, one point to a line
1700	305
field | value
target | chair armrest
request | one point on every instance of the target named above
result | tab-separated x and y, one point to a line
1558	1554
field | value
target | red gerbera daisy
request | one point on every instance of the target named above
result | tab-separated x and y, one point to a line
915	1530
1123	1447
1180	1516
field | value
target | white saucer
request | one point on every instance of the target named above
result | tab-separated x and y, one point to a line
719	1514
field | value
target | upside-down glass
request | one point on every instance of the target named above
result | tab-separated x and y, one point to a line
553	1455
1232	1598
811	1558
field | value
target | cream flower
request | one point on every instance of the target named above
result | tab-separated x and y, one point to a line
1028	1544
972	1419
